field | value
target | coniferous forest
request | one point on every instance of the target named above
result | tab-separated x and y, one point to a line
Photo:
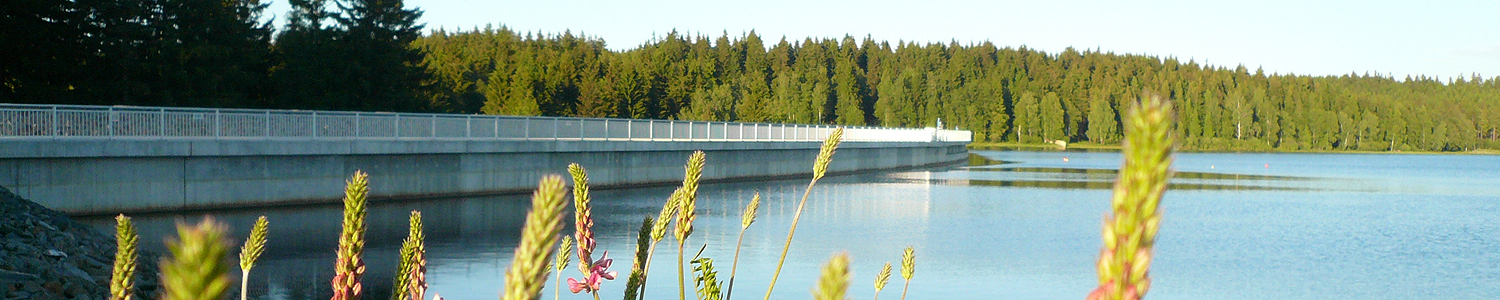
374	55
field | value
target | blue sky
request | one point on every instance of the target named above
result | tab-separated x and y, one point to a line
1437	38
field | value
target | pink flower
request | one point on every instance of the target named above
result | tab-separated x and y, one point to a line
589	284
601	266
597	275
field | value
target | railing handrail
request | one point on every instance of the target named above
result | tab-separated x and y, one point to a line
85	121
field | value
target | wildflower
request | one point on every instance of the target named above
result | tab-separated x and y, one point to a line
597	274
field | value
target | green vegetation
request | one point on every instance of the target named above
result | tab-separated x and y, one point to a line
254	246
1130	231
122	280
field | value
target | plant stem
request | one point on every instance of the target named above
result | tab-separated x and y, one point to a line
735	266
681	279
244	283
557	282
903	289
646	272
789	233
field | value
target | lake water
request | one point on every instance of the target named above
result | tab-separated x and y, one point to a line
1010	225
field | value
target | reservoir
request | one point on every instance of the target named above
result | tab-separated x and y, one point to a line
1007	225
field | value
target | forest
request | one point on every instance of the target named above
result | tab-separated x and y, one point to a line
371	55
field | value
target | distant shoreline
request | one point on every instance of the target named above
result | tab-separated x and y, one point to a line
1096	146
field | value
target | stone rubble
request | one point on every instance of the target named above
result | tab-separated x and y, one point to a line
44	255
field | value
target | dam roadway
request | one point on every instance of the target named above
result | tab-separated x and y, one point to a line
92	160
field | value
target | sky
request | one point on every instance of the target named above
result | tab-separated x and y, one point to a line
1435	38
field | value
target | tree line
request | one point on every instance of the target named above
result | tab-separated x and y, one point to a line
373	56
1002	94
340	54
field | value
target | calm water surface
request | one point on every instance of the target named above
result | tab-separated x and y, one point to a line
1022	226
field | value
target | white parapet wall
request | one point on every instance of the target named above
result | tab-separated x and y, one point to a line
105	160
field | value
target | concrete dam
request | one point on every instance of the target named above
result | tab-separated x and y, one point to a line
89	160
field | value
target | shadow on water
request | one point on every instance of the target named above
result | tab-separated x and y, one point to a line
1110	173
1104	185
1044	149
976	160
1099	178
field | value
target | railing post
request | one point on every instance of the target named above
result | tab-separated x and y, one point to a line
629	130
526	127
356	124
555	128
433	127
606	129
218	124
398	126
690	131
315	124
54	121
469	126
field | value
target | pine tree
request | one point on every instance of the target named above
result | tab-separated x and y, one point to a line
386	73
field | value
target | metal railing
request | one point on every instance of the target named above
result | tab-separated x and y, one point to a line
83	121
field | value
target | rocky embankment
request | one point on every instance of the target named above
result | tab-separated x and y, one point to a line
45	255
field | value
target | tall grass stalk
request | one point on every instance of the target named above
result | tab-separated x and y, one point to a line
122	284
908	268
411	279
197	268
835	280
1130	232
254	246
820	167
638	268
528	269
686	207
745	220
349	267
881	279
559	264
658	232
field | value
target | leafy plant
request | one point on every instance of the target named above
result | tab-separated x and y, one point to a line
705	278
